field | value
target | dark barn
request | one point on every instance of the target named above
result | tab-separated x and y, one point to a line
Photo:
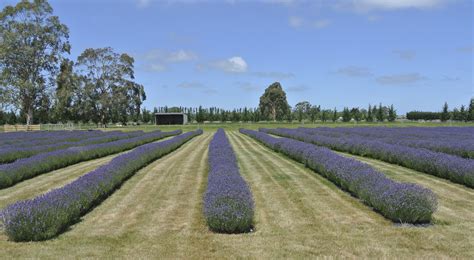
171	118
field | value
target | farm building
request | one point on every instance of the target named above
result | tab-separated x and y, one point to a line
171	118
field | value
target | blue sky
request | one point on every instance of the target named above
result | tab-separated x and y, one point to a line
415	54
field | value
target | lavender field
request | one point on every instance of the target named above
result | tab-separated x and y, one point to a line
315	191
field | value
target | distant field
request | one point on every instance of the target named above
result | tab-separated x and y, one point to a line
236	126
158	212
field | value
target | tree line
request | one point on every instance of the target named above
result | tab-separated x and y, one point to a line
463	113
38	84
274	106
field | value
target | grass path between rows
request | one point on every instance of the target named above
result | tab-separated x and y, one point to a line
158	214
43	183
40	184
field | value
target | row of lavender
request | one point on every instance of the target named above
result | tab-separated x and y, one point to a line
454	168
13	152
50	214
26	168
53	137
228	203
399	202
452	140
43	137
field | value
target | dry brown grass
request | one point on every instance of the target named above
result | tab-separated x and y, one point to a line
158	213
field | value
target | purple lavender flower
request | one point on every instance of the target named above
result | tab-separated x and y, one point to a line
228	203
52	213
452	140
10	153
399	202
453	168
26	168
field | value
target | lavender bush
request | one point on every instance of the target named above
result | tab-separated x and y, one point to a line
453	168
13	152
399	202
228	203
26	168
43	137
48	215
452	140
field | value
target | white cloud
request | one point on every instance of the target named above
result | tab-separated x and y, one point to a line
157	60
373	18
189	85
354	71
273	74
405	54
400	79
143	3
180	56
284	2
156	67
197	86
319	24
232	65
295	21
449	78
387	5
299	22
162	56
247	86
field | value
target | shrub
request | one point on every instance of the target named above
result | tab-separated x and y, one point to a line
453	168
228	203
26	168
13	152
49	214
399	202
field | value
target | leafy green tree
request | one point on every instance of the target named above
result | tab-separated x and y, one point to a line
314	113
32	43
107	81
445	113
42	114
2	117
12	118
155	110
245	115
334	115
325	114
380	113
464	113
392	114
147	116
200	115
273	103
302	110
356	114
346	115
256	115
456	115
470	111
65	92
370	116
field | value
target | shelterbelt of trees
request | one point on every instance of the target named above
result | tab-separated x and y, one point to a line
39	84
461	114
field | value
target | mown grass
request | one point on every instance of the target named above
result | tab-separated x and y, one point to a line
254	126
299	214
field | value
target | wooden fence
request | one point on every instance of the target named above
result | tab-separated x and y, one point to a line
15	128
